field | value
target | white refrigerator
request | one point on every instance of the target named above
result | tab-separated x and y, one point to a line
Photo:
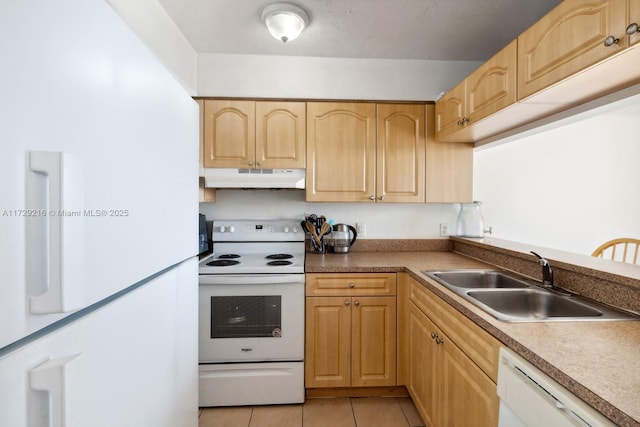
98	224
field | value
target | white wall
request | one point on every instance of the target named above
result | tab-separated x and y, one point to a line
152	24
383	221
571	187
327	78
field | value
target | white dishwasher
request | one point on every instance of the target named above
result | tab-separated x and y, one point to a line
530	398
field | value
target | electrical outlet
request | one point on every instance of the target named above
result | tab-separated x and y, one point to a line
361	228
444	229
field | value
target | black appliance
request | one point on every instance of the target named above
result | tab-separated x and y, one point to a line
203	235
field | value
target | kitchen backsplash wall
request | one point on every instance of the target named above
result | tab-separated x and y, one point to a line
382	221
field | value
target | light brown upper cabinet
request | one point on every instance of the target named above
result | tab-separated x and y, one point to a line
451	110
341	147
400	153
254	134
487	90
449	167
570	38
356	155
634	21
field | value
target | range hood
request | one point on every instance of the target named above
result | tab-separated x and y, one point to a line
254	178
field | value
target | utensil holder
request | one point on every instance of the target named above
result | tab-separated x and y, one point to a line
313	247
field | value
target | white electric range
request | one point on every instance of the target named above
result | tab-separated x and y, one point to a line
251	314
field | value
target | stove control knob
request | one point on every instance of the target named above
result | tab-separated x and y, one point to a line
232	229
223	228
295	229
286	228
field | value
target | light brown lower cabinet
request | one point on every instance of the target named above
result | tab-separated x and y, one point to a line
448	387
350	340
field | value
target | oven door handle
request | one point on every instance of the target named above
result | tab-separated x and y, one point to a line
250	279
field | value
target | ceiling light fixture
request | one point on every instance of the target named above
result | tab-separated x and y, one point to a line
285	21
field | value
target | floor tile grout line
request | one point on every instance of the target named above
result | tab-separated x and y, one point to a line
353	412
251	416
404	414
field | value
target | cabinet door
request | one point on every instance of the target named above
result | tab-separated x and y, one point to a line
328	342
373	342
280	135
340	152
400	153
449	171
468	397
229	134
422	364
450	110
567	40
492	86
634	17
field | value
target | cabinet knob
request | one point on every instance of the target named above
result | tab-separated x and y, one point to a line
433	335
381	198
346	303
633	28
439	340
372	197
250	163
352	285
257	163
356	303
611	40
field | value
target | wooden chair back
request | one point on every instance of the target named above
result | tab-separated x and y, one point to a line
624	250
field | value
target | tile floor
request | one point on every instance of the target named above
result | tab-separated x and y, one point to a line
319	412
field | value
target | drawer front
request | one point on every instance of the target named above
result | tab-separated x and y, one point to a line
476	343
348	284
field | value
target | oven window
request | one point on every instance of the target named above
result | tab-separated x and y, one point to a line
246	316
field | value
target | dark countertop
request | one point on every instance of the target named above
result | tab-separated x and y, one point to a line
598	361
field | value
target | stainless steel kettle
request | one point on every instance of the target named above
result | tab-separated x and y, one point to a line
342	237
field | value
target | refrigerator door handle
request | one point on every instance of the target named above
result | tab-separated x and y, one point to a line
64	237
51	376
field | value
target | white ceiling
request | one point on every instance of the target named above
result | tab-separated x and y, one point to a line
455	30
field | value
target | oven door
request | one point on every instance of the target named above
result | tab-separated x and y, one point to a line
246	318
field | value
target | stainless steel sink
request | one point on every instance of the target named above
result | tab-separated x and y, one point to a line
533	304
473	279
511	298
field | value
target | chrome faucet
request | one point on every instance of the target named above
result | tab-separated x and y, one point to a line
547	272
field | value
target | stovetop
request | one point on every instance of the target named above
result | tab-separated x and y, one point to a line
263	262
255	247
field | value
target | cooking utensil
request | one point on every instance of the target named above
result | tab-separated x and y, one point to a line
325	229
314	234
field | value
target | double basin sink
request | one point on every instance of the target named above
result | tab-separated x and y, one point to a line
514	299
